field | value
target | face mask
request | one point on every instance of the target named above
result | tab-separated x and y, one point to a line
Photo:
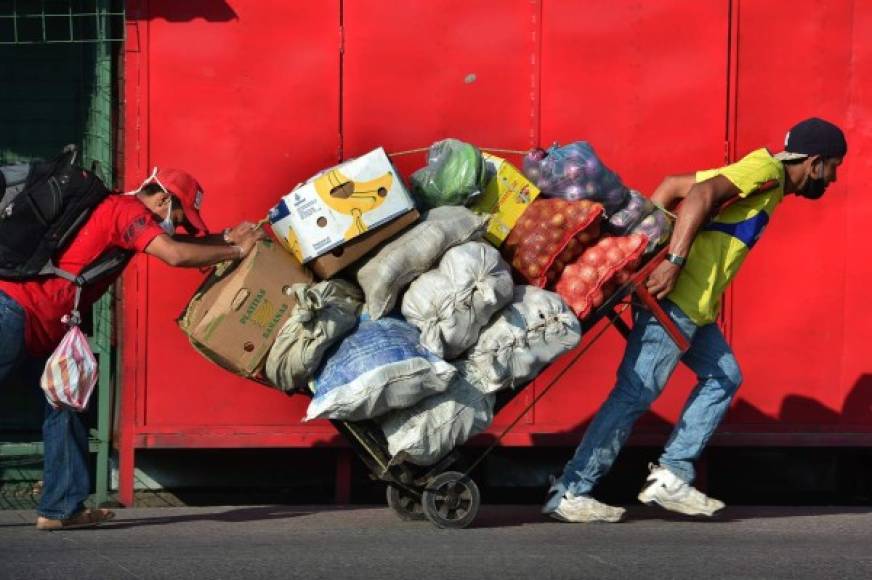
814	186
167	224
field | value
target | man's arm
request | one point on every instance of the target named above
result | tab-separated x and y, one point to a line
673	189
234	235
701	202
187	255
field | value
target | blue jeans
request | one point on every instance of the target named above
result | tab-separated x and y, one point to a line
66	478
649	360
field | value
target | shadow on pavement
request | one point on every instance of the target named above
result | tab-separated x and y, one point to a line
506	516
246	514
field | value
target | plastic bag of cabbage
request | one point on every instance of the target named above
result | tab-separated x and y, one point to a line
379	367
325	312
574	172
427	432
387	273
452	303
536	328
455	174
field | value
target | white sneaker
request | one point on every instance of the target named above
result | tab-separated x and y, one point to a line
665	489
567	507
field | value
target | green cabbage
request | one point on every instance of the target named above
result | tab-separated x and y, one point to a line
455	174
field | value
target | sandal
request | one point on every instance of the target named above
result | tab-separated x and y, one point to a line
84	519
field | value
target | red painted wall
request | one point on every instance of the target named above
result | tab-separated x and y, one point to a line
802	327
253	97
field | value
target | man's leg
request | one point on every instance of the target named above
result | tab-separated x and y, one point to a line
649	360
669	484
719	377
66	481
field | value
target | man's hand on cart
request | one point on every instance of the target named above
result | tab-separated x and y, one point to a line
662	280
239	232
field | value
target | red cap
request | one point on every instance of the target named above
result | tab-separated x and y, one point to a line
183	185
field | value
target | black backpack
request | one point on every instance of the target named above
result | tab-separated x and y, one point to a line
43	205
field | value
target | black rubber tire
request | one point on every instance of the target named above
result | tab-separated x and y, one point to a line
451	500
407	507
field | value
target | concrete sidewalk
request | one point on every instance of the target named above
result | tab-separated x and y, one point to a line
506	542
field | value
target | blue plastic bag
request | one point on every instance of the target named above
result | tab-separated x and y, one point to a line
381	366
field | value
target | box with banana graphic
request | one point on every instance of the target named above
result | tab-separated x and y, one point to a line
340	204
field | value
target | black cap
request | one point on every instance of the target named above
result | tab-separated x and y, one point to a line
814	137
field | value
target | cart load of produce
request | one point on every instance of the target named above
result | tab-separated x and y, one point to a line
549	235
455	174
325	312
535	329
379	367
584	283
392	268
452	303
574	172
428	431
374	340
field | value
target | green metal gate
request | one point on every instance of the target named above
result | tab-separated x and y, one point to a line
59	85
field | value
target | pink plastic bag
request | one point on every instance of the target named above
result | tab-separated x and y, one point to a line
70	373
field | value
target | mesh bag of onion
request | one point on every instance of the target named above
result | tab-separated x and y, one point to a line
588	281
550	234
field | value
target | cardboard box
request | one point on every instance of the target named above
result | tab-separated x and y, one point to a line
506	197
337	259
339	205
235	316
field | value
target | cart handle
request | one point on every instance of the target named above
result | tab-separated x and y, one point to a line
639	288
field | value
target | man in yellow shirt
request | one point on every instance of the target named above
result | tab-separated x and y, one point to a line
705	253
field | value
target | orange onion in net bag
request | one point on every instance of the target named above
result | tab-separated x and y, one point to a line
588	281
550	234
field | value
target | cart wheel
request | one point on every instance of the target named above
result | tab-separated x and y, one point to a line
406	506
451	500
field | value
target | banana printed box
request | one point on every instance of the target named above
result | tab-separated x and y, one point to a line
340	204
236	314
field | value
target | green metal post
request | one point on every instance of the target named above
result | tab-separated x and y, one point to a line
98	146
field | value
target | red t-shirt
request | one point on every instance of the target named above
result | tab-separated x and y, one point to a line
119	220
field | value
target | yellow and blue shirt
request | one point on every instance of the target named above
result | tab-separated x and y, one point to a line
721	246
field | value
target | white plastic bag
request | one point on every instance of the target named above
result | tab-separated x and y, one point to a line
451	304
427	432
70	372
381	366
324	313
395	265
536	328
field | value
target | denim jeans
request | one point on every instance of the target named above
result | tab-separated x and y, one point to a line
66	478
649	360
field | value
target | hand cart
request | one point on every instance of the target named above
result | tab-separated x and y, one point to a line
448	497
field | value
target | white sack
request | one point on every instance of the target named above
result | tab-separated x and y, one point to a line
325	312
427	432
451	304
393	267
536	328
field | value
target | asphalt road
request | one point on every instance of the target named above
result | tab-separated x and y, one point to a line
505	542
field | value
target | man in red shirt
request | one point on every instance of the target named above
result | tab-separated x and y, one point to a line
31	312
